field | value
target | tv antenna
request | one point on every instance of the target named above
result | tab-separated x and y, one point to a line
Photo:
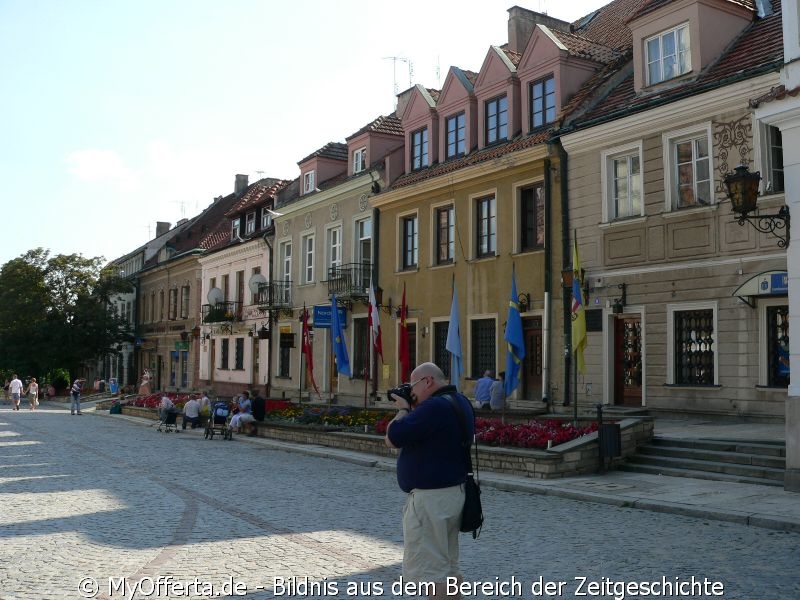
260	175
395	60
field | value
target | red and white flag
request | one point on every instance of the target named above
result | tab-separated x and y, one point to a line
374	321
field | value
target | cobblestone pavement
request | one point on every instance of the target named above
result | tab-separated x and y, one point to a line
86	500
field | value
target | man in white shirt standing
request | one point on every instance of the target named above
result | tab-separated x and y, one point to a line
15	389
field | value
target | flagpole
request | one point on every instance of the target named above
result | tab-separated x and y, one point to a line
367	369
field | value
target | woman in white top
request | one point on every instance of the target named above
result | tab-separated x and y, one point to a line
33	393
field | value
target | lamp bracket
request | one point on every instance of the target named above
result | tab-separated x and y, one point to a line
772	224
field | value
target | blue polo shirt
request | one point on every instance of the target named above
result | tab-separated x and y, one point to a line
430	441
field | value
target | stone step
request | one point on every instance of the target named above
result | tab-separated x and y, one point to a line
722	456
727	468
748	447
671	472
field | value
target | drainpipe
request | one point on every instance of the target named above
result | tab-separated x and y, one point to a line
268	384
565	260
548	270
376	219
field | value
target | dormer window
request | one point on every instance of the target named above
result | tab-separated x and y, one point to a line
250	223
456	135
496	120
359	160
419	149
667	55
235	228
543	102
266	218
308	182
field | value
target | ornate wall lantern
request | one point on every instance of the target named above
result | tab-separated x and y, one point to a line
742	188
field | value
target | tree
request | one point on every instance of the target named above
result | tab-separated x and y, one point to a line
56	312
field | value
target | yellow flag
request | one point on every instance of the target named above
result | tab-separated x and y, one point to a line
578	311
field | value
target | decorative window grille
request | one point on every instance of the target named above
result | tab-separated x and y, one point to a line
361	344
224	352
239	355
694	347
440	354
484	346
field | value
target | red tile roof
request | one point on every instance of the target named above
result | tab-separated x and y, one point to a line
757	50
256	194
332	150
389	125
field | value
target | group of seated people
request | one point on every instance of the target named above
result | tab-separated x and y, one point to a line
197	409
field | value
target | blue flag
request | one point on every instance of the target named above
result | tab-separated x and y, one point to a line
514	339
453	344
339	347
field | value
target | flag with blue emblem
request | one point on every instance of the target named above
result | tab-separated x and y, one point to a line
339	347
514	339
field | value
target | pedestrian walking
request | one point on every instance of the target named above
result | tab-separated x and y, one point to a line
15	389
75	392
431	469
33	393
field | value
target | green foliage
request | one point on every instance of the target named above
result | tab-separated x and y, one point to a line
59	378
55	313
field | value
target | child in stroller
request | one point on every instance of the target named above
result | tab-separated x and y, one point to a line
218	421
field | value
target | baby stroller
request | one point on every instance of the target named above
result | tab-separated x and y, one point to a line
167	423
218	421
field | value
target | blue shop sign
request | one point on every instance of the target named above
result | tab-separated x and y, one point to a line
322	316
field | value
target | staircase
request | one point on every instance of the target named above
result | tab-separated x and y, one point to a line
737	461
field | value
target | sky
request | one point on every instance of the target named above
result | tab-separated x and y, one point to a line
116	115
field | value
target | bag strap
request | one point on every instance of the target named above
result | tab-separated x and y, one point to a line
465	438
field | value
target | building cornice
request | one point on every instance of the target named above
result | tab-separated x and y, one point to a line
692	109
463	175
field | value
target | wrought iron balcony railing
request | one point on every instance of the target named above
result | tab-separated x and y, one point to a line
350	280
222	312
275	294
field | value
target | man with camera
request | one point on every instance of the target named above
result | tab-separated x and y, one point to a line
432	469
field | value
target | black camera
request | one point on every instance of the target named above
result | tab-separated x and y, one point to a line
404	391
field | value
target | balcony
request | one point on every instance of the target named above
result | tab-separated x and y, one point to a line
275	295
222	312
350	281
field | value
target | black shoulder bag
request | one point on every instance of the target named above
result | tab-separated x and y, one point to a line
472	515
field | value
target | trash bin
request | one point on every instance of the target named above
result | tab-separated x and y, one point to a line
610	440
259	408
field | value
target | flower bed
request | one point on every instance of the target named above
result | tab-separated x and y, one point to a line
533	434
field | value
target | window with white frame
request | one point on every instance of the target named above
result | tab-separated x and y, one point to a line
250	223
309	185
455	134
235	228
363	250
285	272
691	344
668	54
334	250
419	149
266	218
486	226
308	259
359	160
409	242
688	168
185	299
622	183
772	169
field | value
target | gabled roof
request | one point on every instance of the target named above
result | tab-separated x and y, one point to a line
605	25
389	125
331	150
256	194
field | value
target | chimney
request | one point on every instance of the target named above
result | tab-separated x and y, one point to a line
162	227
521	23
241	184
